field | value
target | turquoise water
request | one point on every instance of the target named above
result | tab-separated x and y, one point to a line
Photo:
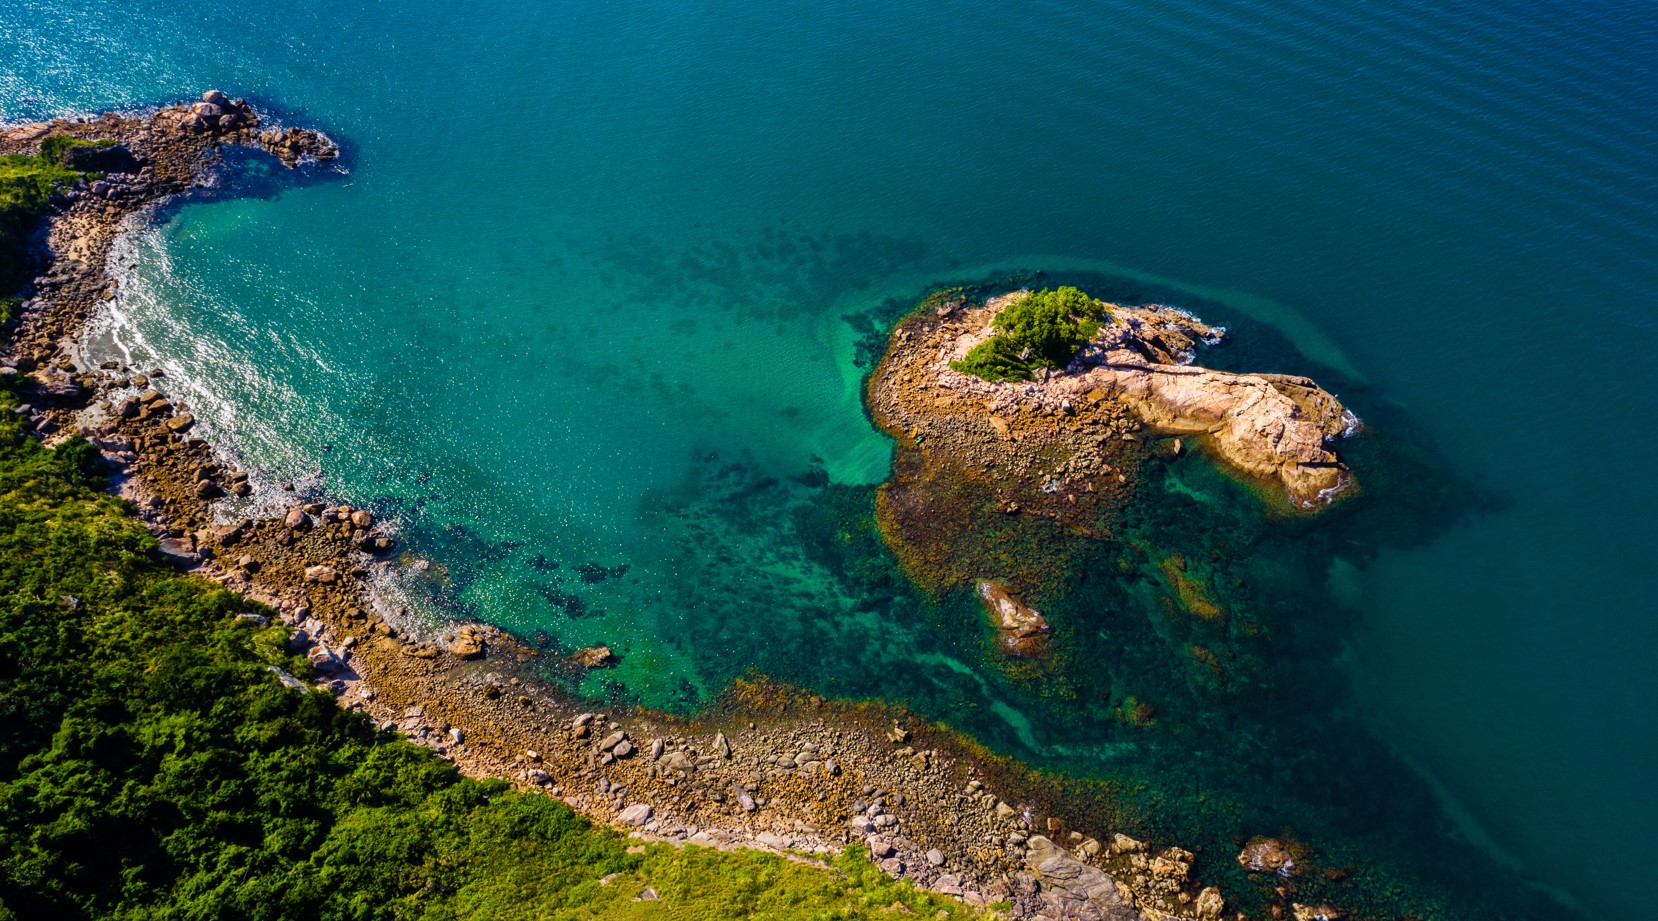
580	301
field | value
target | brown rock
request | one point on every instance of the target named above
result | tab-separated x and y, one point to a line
594	656
1022	630
323	574
1267	855
466	643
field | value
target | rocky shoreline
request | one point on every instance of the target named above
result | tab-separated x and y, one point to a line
769	768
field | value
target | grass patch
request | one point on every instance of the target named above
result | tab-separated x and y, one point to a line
1040	331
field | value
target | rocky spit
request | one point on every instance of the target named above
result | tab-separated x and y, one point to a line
769	768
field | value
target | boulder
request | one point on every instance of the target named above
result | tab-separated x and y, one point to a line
1075	889
1267	855
594	656
1022	631
54	383
216	98
362	518
1209	904
325	575
467	642
636	814
180	550
296	520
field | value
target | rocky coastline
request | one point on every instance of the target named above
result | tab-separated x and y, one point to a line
770	767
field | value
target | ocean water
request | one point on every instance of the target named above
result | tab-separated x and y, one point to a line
584	309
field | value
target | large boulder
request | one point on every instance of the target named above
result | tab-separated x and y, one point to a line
594	656
1268	855
1022	630
1074	889
467	642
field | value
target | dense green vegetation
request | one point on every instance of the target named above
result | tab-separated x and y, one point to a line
1042	330
26	183
153	766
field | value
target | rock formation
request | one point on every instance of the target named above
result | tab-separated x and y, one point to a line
1021	630
1136	370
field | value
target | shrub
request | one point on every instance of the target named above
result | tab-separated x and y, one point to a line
1040	330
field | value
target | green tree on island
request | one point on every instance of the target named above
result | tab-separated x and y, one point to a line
1043	330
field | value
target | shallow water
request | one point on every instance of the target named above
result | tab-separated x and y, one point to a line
581	301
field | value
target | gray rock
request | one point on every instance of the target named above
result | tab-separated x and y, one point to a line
636	814
1073	888
935	857
747	802
880	848
216	98
288	681
722	745
180	550
656	749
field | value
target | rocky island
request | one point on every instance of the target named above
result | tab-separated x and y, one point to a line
988	425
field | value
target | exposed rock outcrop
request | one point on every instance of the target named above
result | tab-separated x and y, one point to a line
1021	630
1267	425
1075	889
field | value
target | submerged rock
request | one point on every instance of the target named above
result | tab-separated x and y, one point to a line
1022	631
1267	855
594	656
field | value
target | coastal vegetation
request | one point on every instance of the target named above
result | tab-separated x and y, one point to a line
1040	331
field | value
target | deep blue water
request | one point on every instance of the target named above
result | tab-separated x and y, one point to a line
580	298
